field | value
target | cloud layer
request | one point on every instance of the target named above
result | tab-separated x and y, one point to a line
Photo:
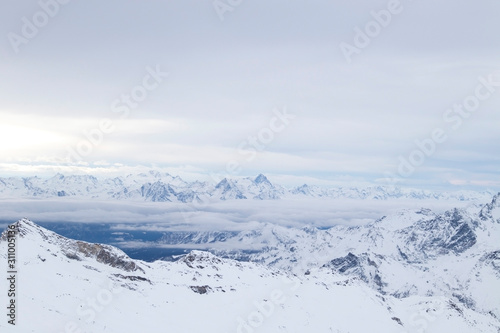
221	216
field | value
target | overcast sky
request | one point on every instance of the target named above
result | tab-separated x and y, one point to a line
299	90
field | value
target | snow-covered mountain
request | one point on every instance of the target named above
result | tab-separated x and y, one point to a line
415	271
163	187
72	286
409	254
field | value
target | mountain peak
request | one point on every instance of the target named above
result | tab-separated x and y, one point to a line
491	210
262	179
495	202
223	183
40	237
25	227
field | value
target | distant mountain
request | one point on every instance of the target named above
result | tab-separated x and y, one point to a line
163	187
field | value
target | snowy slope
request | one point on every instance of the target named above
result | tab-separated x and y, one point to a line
410	254
70	286
413	271
61	284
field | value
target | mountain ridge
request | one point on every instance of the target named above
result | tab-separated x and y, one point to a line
163	187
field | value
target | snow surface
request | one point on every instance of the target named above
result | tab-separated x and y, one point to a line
415	271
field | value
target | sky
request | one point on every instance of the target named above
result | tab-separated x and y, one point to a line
347	92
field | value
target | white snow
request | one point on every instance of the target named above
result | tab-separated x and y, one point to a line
70	286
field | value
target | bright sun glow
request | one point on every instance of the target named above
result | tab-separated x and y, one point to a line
16	138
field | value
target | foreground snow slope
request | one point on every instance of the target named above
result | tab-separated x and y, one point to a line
71	286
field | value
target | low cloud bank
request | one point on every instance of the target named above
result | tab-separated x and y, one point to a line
230	216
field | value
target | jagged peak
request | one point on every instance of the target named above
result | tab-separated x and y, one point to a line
488	209
26	227
495	201
262	179
223	182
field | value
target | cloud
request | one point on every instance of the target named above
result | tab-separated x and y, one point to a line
221	216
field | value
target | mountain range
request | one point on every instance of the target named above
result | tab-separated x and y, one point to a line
162	187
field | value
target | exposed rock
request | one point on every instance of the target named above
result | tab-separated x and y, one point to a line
132	278
107	255
201	289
